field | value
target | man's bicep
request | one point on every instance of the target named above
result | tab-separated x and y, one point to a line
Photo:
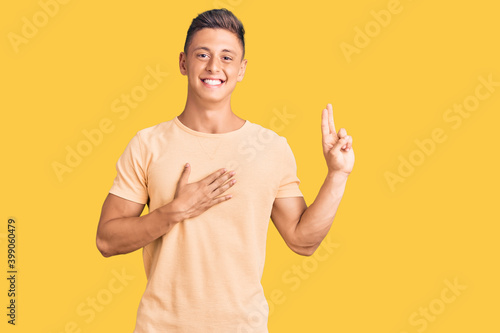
285	214
117	207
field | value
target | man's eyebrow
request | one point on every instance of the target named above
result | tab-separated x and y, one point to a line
207	49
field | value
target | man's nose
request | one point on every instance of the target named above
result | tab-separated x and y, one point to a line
213	65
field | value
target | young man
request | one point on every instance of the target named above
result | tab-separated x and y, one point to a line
211	181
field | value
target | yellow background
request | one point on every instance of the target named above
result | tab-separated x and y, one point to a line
396	248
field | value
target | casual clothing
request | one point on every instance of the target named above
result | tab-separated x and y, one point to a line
204	274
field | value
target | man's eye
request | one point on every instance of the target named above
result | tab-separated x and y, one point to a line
228	58
200	55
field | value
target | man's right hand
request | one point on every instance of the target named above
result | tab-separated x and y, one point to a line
122	230
195	198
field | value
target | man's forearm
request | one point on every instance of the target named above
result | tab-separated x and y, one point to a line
127	234
317	219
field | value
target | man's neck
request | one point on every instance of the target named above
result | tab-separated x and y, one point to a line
210	119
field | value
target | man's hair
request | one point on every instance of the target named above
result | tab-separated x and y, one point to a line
216	19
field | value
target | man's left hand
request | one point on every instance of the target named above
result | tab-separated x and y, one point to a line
337	146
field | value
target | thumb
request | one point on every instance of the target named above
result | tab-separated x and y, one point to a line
185	175
339	144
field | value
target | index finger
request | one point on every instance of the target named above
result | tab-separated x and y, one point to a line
331	124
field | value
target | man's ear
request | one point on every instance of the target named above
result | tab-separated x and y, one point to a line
182	63
241	72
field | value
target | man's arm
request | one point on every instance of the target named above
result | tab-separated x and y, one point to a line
304	228
122	230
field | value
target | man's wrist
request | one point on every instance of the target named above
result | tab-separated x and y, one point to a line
172	212
337	176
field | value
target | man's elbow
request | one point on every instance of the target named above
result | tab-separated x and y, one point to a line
306	251
303	246
103	247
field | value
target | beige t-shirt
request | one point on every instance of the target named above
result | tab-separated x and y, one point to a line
205	274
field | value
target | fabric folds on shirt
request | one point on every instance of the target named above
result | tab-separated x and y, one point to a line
204	274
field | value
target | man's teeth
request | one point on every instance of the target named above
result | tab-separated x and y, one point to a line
212	82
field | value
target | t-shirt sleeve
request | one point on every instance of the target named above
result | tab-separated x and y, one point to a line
131	182
289	183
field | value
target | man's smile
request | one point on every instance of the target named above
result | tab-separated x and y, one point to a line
212	83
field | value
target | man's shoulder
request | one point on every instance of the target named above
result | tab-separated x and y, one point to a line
256	131
266	135
152	132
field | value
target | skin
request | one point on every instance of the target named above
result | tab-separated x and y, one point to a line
207	109
304	228
122	230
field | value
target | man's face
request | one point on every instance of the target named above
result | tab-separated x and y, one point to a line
215	54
